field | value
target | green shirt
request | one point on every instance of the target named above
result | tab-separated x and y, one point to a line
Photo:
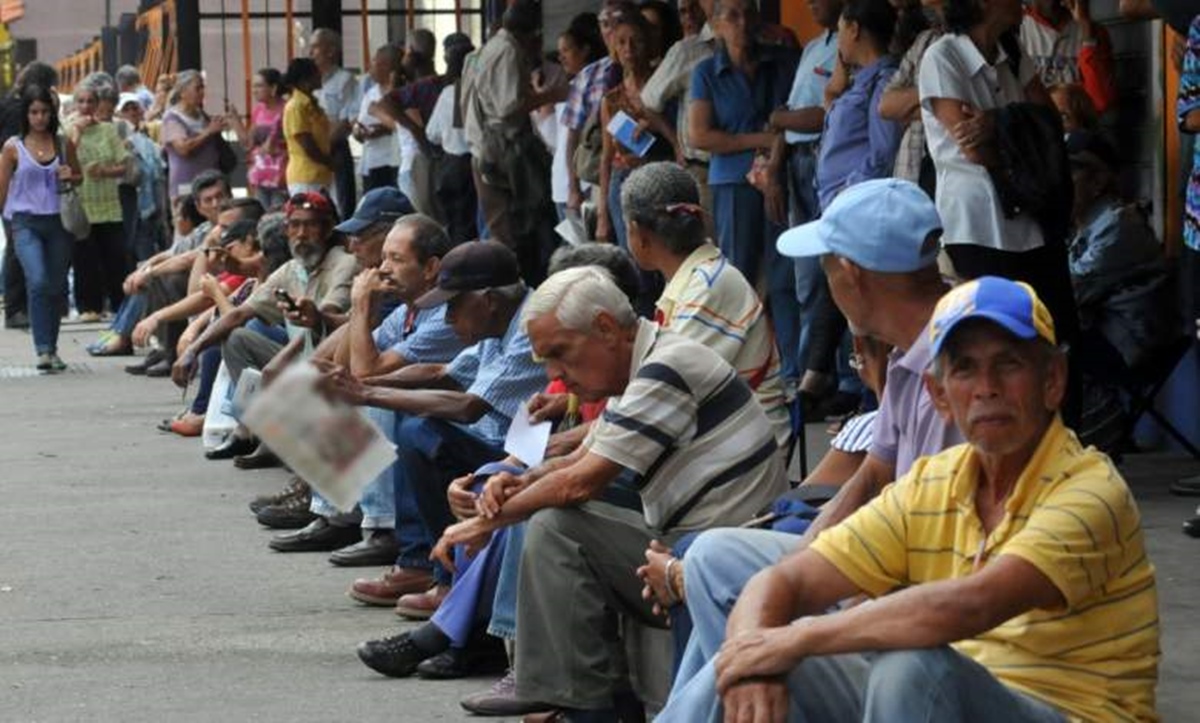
101	144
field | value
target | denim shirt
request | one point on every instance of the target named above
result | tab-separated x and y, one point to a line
858	144
741	104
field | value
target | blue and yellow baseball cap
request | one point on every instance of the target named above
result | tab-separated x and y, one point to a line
1011	304
882	225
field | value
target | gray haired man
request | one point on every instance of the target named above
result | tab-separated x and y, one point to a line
680	424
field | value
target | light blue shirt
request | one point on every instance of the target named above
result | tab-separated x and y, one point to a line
422	338
812	75
502	373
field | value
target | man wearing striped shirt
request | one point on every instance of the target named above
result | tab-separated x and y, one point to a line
681	423
1009	575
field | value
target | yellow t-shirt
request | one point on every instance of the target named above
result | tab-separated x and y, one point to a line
302	115
1072	516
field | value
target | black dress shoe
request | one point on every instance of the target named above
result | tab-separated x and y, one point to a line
465	662
148	361
378	549
318	536
260	458
232	448
159	369
397	656
1191	528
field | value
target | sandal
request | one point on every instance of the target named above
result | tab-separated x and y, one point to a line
187	428
165	425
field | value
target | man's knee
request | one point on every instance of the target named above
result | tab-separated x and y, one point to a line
419	435
710	562
899	673
237	345
548	524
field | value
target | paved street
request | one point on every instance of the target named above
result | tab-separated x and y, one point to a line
135	586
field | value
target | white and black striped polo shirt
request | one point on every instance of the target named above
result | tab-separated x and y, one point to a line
690	428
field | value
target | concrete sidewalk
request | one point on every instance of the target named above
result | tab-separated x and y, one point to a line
135	586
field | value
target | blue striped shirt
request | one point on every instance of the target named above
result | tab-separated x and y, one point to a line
502	373
425	338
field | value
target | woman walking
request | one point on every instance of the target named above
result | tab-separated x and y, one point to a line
34	166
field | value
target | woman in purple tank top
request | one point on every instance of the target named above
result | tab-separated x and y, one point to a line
32	172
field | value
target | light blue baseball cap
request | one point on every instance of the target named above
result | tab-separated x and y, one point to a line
881	225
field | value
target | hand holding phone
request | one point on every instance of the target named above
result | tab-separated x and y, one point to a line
286	299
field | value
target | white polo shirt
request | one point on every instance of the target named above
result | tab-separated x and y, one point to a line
967	200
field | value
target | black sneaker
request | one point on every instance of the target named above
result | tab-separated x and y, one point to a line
397	656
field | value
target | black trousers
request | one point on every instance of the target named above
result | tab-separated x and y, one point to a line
15	301
828	328
100	268
382	177
1047	271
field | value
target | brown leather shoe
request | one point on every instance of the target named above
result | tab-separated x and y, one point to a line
422	605
296	487
391	586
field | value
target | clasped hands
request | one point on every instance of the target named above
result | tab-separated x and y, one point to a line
478	513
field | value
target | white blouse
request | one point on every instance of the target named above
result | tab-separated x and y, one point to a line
967	199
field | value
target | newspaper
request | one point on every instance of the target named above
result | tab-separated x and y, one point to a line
331	445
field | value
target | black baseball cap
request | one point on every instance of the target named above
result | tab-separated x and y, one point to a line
1091	148
238	231
473	266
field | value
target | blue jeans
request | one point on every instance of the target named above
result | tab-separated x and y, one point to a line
747	239
433	452
718	565
932	684
43	247
504	605
210	365
803	206
133	308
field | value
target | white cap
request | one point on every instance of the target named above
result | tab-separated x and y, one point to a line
127	98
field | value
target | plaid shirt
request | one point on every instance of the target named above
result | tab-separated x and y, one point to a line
912	144
421	94
587	90
101	144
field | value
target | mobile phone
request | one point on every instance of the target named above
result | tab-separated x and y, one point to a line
286	299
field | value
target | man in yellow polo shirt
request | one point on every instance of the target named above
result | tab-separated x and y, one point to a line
1008	576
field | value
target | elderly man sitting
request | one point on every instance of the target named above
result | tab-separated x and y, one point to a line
1009	574
680	422
309	294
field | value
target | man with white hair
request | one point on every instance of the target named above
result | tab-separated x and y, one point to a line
340	97
679	422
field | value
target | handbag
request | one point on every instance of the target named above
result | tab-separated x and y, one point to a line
70	206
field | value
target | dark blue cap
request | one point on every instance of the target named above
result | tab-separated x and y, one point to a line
380	204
